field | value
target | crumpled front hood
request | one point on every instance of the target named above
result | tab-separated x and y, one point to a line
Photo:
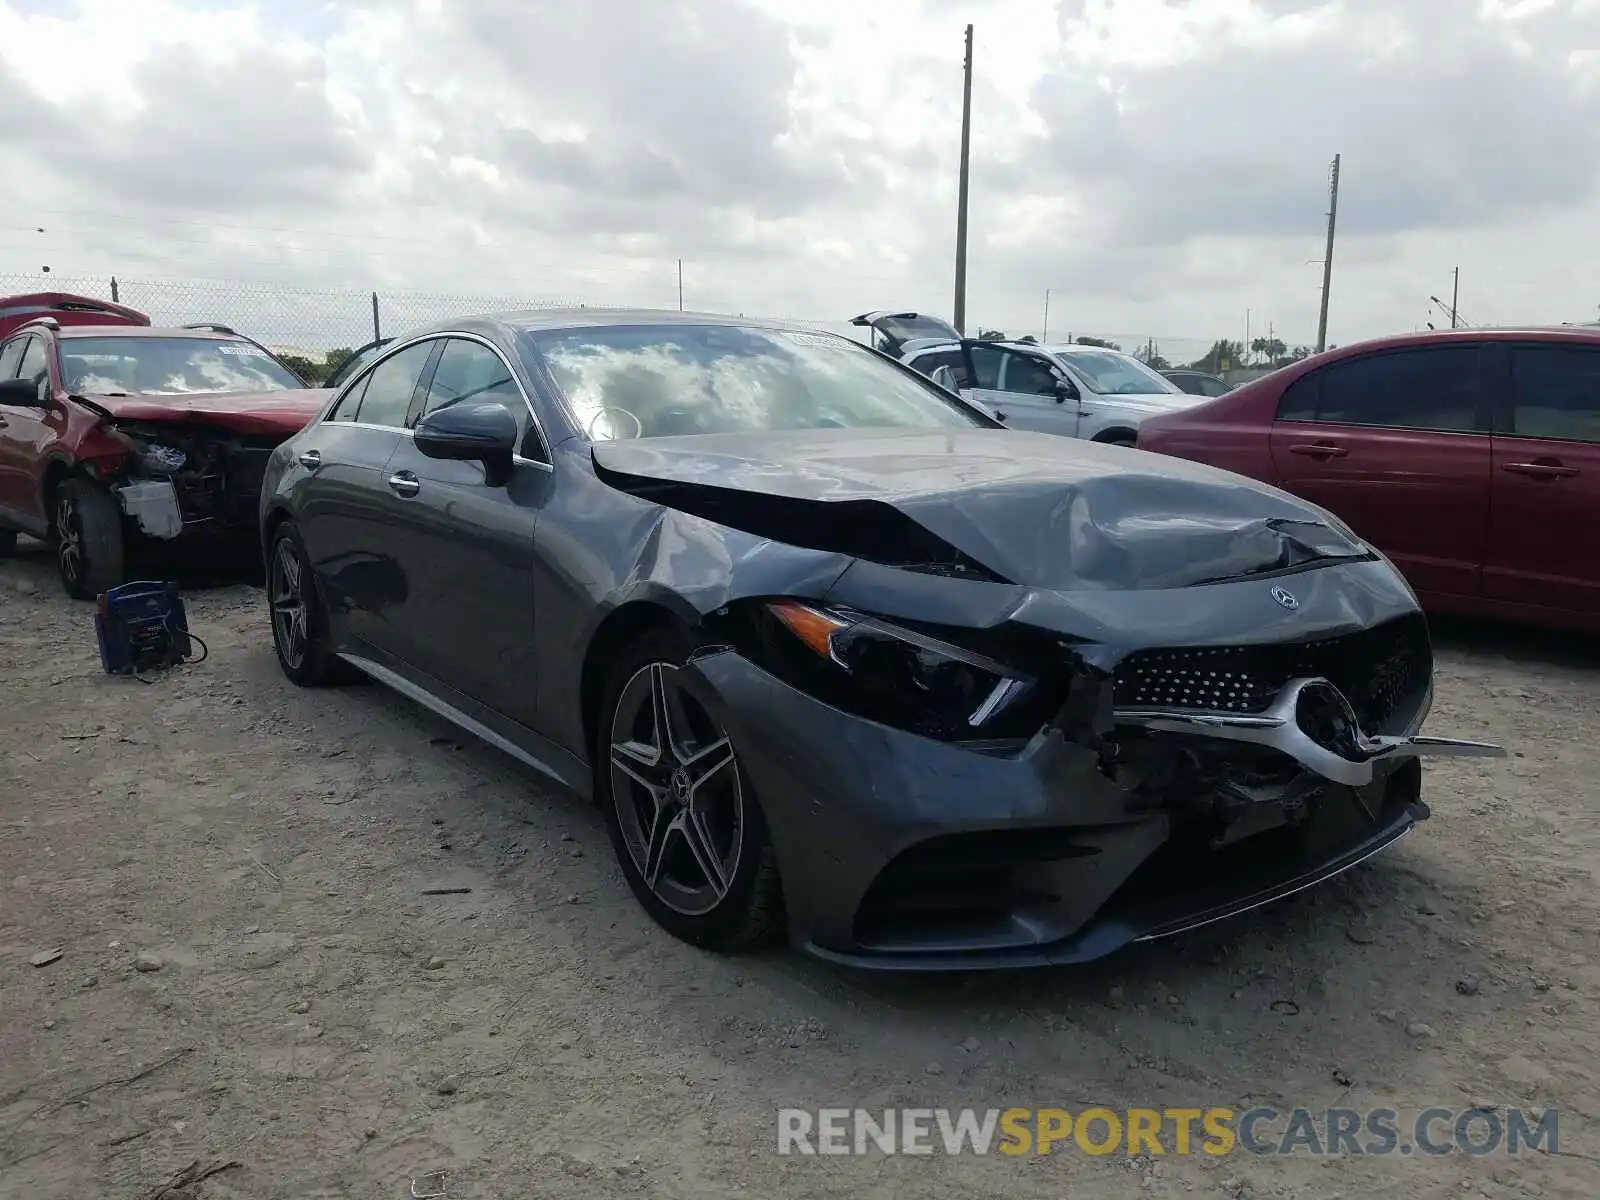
285	412
1031	508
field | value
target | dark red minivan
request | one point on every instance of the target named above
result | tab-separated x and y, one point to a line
1470	457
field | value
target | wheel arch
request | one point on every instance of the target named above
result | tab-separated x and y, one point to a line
618	629
56	472
275	516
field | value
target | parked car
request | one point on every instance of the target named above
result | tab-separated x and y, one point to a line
1199	383
65	309
1090	392
893	332
1470	457
119	439
838	654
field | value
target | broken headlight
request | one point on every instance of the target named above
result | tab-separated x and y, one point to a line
901	677
157	458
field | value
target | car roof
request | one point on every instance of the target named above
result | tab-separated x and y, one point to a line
546	320
143	331
1583	335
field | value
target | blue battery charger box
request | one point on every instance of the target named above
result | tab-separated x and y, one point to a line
141	627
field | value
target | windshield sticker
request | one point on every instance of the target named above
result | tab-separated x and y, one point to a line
242	350
822	341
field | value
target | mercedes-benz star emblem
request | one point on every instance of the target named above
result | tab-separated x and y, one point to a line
1286	598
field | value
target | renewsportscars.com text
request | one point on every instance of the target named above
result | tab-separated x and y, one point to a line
1178	1131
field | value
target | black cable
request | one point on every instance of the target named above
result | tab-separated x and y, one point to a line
168	660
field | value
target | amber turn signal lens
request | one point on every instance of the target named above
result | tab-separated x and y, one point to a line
810	626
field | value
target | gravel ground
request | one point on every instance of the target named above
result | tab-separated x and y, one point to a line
250	972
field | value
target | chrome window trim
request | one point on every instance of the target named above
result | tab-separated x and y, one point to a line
398	346
516	459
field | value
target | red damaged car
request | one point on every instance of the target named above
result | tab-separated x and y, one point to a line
120	440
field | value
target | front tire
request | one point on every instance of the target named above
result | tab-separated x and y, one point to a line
87	534
8	542
683	817
300	627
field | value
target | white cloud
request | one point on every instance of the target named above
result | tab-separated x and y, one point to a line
1160	165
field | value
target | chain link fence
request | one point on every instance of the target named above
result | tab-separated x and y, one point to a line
310	322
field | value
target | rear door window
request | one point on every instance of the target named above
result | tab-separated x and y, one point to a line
1428	388
1555	393
927	364
985	367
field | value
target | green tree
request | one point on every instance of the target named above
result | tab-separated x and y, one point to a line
304	367
1223	356
1085	340
334	359
1152	358
1269	348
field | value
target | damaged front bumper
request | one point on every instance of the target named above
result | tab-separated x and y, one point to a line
189	483
904	852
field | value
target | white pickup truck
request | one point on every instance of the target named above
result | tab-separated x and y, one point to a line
1076	390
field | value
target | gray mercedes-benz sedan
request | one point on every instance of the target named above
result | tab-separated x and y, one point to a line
840	657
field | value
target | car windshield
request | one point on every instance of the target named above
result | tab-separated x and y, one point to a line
1113	374
163	366
666	380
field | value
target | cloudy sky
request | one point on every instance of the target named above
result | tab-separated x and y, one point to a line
1160	166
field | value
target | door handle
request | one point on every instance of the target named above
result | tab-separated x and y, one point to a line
311	459
1318	450
1541	470
405	483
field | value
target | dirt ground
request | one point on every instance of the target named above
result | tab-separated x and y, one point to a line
317	1019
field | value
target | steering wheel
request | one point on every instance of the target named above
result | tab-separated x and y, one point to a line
607	431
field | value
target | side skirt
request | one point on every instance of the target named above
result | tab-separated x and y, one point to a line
519	742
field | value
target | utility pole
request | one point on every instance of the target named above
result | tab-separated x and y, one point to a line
1327	257
1044	337
961	201
680	285
1455	293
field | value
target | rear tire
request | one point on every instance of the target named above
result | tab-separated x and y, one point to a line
714	881
300	627
8	542
87	536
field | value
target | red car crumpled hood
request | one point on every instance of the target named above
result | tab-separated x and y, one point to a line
283	412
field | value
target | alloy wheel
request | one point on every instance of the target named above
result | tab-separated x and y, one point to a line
69	540
676	787
286	595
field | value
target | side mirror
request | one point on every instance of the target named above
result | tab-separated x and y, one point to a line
23	393
945	377
484	432
1065	390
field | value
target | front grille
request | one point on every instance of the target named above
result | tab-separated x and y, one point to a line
1377	669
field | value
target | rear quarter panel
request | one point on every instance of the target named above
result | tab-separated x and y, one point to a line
1233	432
